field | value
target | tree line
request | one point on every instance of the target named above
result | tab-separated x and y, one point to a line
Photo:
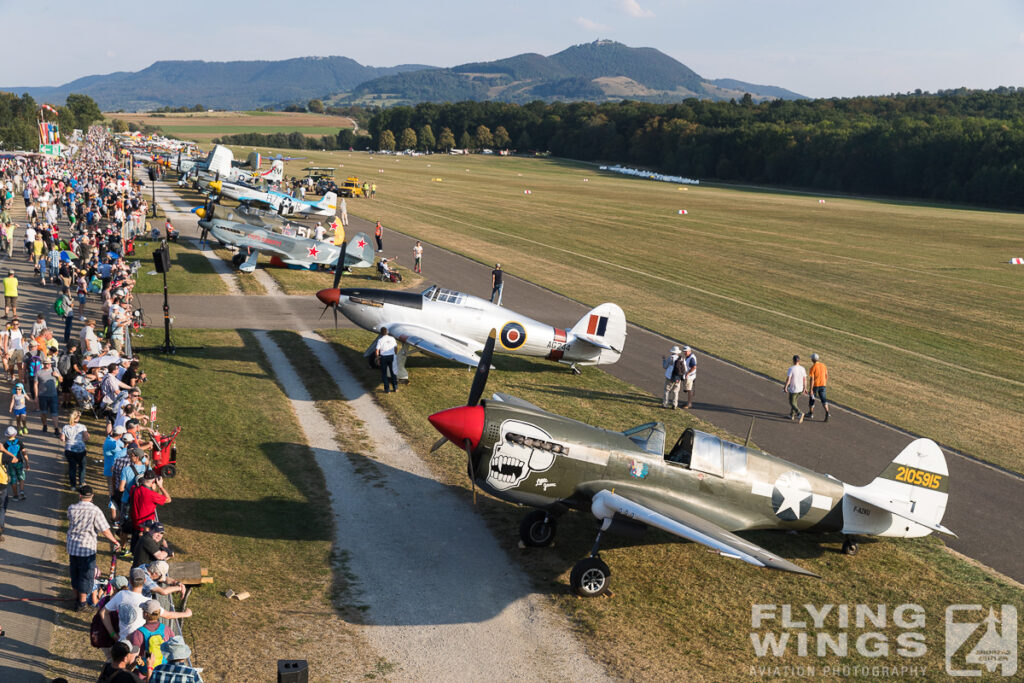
19	116
960	146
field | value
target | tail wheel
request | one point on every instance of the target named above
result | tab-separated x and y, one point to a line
590	577
850	547
537	530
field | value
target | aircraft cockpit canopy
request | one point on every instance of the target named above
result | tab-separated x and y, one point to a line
710	454
649	436
450	296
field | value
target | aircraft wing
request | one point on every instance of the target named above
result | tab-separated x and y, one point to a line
435	343
606	504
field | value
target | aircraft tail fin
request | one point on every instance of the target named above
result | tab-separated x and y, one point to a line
253	160
276	172
329	202
913	490
360	248
605	328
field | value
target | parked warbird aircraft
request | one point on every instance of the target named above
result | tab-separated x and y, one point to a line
279	202
452	325
703	489
220	164
272	234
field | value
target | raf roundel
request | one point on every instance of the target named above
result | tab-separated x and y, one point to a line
513	335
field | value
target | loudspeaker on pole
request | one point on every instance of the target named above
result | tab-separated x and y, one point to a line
162	260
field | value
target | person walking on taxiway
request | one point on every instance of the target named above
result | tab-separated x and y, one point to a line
672	379
819	380
385	351
796	384
378	234
497	283
417	254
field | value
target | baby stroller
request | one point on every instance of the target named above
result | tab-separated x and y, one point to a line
82	392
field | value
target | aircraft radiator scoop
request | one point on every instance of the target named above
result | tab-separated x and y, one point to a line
459	424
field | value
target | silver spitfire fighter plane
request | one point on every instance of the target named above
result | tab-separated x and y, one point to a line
452	325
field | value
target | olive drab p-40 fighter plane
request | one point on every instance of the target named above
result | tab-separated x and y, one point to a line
702	489
452	325
257	231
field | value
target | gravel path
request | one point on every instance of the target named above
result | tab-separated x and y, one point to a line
443	600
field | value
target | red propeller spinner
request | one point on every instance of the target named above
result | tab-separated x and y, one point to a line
459	424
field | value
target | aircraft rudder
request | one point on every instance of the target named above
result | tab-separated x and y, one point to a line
604	326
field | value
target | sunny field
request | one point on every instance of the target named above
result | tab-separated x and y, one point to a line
205	126
914	308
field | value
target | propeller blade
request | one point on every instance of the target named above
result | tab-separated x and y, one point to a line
484	367
335	316
340	265
467	444
437	444
324	311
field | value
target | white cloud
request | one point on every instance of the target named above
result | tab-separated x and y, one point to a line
633	9
590	25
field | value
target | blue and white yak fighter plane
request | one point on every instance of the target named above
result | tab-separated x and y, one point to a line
453	325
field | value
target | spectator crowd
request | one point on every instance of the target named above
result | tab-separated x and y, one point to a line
82	214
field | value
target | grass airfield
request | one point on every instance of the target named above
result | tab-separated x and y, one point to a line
679	612
914	308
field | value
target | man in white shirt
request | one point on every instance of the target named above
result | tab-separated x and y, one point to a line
796	384
385	351
672	382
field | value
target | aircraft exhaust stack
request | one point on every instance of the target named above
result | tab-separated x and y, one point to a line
460	424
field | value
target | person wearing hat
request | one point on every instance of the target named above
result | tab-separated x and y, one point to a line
18	466
151	546
135	599
818	374
497	283
148	637
47	390
144	501
74	436
113	448
85	521
672	378
175	668
796	384
19	407
10	295
688	373
156	572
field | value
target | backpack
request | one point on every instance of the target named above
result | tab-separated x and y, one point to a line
151	642
64	363
58	306
679	368
98	636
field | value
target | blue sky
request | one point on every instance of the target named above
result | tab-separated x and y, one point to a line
827	48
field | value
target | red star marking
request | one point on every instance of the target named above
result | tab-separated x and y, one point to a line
362	243
313	251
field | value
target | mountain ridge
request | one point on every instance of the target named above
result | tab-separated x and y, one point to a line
599	71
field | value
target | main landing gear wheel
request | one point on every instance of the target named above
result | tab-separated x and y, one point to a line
589	578
850	547
537	530
237	260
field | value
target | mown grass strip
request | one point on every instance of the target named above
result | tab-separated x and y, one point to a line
250	505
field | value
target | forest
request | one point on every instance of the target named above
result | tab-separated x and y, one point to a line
960	146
